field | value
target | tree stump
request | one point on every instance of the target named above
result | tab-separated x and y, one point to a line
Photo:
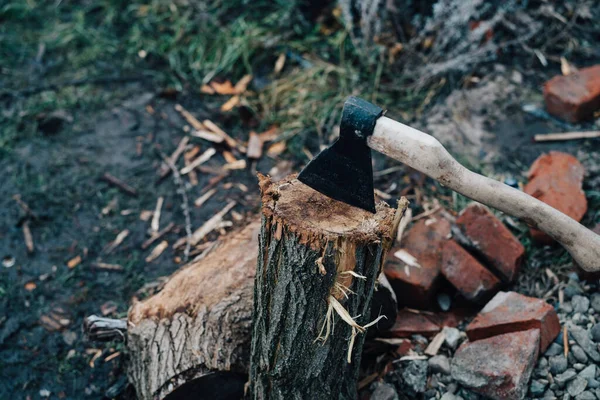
192	339
317	266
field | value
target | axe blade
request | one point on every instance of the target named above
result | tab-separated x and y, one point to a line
344	171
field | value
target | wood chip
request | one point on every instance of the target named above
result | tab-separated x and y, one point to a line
202	199
49	324
279	64
157	251
30	286
28	237
239	164
189	117
407	258
188	157
382	195
211	126
154	225
207	135
207	89
435	344
229	157
115	243
255	145
207	228
164	169
230	104
241	86
158	235
198	161
114	181
552	137
145	215
106	266
566	340
270	134
276	149
73	262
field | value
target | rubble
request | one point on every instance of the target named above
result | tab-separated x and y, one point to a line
556	179
512	312
410	323
466	274
491	240
498	367
575	97
416	287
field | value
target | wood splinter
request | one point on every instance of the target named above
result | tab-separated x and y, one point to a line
307	328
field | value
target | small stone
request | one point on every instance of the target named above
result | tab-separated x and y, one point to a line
582	338
576	386
565	377
580	303
593	383
444	301
588	372
538	387
586	396
578	366
554	349
450	396
572	289
69	337
384	391
579	354
595	332
414	377
439	363
566	307
452	336
511	312
596	302
549	394
558	364
498	367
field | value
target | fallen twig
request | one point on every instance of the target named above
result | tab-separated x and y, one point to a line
157	235
184	206
107	267
118	240
189	117
552	137
202	199
178	151
119	184
204	157
205	229
28	237
157	251
154	225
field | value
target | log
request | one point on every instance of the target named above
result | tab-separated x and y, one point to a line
192	339
318	263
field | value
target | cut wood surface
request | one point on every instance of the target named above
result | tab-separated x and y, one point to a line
198	326
317	266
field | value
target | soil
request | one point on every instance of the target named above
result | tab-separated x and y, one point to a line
57	175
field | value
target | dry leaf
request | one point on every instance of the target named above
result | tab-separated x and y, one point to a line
276	148
230	104
269	134
73	262
223	88
242	84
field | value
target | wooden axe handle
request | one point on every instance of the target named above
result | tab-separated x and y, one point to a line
426	154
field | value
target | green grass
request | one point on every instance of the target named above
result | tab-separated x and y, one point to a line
183	46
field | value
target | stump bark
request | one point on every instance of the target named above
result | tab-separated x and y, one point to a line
317	266
192	339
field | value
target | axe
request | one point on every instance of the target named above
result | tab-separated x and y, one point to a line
344	172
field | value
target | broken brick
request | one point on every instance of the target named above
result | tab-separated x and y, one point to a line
512	312
410	323
556	179
466	274
491	240
416	287
498	367
575	97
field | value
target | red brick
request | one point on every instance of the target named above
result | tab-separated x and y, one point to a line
410	323
512	312
466	274
498	367
556	179
492	240
423	241
575	97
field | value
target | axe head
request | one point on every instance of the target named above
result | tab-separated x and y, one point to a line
343	171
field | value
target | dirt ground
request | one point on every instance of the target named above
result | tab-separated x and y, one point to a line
57	172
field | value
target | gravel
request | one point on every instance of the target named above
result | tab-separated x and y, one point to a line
580	304
576	386
439	363
579	354
595	332
558	364
554	349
